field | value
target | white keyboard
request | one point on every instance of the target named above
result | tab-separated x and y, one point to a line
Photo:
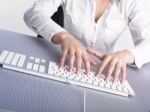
47	69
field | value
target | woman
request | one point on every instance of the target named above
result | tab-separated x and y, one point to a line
92	27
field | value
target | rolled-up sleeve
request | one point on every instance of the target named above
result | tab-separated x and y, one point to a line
38	18
139	25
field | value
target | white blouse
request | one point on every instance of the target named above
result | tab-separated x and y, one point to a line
79	20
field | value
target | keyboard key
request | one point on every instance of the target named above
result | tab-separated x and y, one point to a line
29	66
56	73
83	80
9	58
21	60
43	61
70	76
89	81
76	78
125	90
15	60
42	69
102	82
53	68
114	86
3	56
119	88
107	84
95	83
35	67
91	77
32	58
63	75
51	71
37	60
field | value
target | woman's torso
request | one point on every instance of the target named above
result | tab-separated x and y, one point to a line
79	20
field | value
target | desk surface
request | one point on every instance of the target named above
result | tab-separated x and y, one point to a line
24	93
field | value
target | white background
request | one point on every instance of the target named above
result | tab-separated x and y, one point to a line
11	15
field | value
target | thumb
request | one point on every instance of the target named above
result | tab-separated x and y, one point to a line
95	53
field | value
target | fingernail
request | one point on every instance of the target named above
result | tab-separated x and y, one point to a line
60	66
70	69
77	72
114	81
87	73
122	82
106	78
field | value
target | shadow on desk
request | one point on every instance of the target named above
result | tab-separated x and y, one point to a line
24	93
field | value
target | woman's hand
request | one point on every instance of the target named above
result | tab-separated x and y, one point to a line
74	50
116	63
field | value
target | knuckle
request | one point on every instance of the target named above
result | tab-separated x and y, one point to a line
108	56
109	73
112	64
86	60
62	58
78	56
87	65
78	66
116	76
111	67
71	60
85	53
116	59
118	65
78	50
124	70
65	49
100	69
64	54
71	54
101	65
70	63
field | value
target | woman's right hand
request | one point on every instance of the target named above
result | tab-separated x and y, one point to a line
74	50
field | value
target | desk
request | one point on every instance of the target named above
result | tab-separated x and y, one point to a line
26	93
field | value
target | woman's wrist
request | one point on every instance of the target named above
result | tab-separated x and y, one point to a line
131	59
59	37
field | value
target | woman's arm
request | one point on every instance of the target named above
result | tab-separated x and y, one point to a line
139	25
38	18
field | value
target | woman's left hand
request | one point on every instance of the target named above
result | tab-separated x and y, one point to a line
116	63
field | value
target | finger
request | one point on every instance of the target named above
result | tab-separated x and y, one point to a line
87	65
123	69
71	60
117	72
63	57
78	62
103	65
95	53
92	62
111	68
